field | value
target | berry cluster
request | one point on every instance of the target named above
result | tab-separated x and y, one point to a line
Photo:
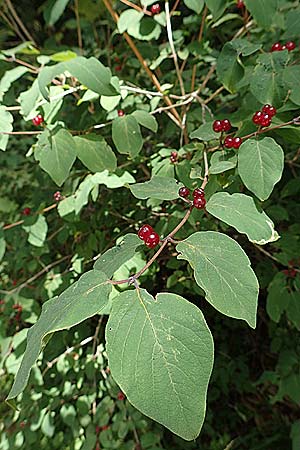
155	9
199	201
220	126
37	120
277	47
57	196
263	118
148	235
173	157
232	142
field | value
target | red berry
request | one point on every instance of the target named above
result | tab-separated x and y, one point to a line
290	45
228	142
277	47
198	192
199	202
240	4
26	211
37	120
121	113
155	9
218	126
184	192
269	109
145	231
57	196
152	240
257	118
265	120
121	396
226	125
237	141
174	157
118	68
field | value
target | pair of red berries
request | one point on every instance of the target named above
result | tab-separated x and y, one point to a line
277	47
230	142
155	9
199	201
173	157
263	118
38	120
220	126
148	235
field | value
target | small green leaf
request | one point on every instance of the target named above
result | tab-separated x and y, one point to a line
160	352
126	135
2	244
6	120
8	79
130	18
195	5
217	7
292	24
54	10
229	69
146	120
37	231
260	165
222	269
221	161
116	256
277	299
56	154
95	153
205	132
28	99
161	188
239	211
85	298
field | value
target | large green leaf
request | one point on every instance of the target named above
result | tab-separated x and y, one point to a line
222	269
116	256
126	135
240	211
291	76
262	11
292	24
37	230
160	352
9	77
56	154
89	71
158	187
6	120
85	298
260	165
95	153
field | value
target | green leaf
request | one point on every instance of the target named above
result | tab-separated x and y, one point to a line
222	269
229	69
2	244
262	11
109	102
126	135
95	153
291	76
292	24
9	77
217	7
54	11
146	120
240	211
89	71
195	5
6	120
161	188
37	231
85	298
129	19
116	256
260	165
28	99
221	161
205	133
56	154
160	352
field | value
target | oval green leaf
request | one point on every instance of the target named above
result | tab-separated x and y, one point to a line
95	153
161	188
127	136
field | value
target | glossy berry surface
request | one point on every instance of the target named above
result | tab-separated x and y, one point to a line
277	47
240	4
265	120
145	231
217	126
37	120
121	113
155	9
237	141
57	196
26	211
184	192
228	142
173	157
198	192
269	109
152	240
290	45
199	202
226	125
257	117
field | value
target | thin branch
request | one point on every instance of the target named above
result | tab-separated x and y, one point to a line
79	35
21	132
136	7
13	26
19	222
204	14
19	21
214	94
22	63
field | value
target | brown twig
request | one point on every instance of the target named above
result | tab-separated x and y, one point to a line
199	40
79	35
19	222
136	7
19	21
